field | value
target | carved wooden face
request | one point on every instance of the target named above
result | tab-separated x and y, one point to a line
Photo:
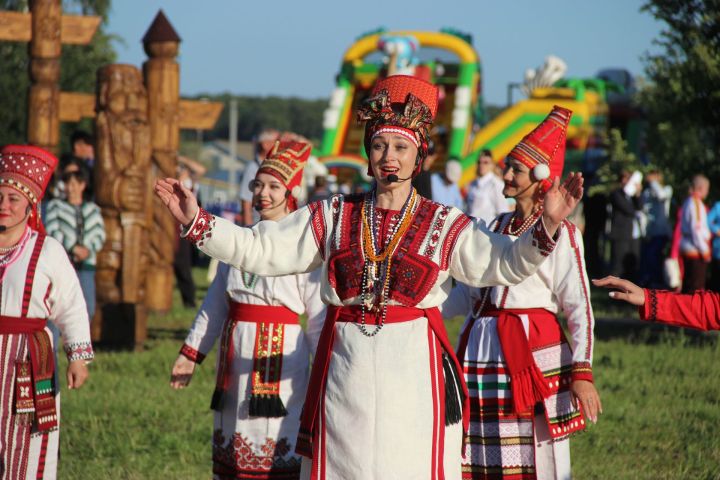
123	94
14	208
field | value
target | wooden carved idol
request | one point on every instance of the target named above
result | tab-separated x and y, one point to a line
124	191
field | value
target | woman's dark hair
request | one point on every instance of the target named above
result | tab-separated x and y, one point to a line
82	173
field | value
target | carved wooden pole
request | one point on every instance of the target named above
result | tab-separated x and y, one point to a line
124	191
162	80
44	98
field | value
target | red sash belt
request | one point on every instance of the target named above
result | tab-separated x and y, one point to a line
34	389
316	387
16	325
267	356
526	380
245	312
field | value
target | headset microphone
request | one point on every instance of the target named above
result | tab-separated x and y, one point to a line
4	228
392	178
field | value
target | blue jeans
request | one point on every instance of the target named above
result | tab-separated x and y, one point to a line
87	284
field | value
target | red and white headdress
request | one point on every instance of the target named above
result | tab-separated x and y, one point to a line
28	169
543	149
286	161
403	105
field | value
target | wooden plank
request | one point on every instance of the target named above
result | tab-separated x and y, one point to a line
76	106
74	29
199	115
78	30
15	27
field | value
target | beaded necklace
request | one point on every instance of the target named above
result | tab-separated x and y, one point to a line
249	279
14	253
6	250
524	225
376	270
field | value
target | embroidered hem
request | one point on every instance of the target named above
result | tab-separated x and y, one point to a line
79	351
582	371
191	354
542	240
200	229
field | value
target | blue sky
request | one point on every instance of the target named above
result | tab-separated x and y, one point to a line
295	47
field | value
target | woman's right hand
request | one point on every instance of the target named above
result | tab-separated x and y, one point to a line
182	372
622	290
178	199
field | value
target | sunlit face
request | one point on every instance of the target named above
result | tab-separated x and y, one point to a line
518	182
392	154
14	207
269	196
485	165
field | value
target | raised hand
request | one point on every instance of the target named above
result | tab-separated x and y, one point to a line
561	200
623	290
179	200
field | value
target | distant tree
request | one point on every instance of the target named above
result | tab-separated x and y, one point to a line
619	159
257	113
682	98
78	67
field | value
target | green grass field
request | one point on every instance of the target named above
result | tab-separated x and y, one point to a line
659	387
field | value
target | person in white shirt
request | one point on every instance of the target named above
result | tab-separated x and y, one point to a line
263	362
695	235
485	199
444	185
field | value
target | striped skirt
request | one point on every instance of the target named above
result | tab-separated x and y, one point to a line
24	453
500	443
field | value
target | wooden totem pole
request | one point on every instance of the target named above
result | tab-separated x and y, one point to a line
124	191
162	78
47	30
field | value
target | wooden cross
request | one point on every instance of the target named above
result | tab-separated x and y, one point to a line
46	29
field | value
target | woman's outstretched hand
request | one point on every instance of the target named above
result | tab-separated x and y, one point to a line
622	290
561	200
178	199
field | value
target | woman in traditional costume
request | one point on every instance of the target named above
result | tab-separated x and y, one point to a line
385	397
37	284
699	310
264	358
527	384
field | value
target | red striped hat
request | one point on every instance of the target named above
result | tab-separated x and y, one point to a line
543	149
286	161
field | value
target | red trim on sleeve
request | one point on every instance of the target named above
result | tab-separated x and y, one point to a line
448	247
201	228
192	354
317	221
582	371
588	312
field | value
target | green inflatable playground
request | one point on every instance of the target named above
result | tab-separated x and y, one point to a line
448	59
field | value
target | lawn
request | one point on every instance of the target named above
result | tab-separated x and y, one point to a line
659	387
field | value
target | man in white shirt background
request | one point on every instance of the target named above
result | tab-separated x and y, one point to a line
485	199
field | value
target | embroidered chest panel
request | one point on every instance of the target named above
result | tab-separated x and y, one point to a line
414	270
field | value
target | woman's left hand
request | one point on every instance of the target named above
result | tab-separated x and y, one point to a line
585	392
561	200
77	373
